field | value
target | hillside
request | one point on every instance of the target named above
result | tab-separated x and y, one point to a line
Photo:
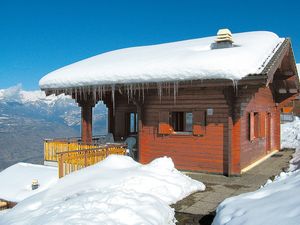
28	117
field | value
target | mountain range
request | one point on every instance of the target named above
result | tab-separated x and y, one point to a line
29	117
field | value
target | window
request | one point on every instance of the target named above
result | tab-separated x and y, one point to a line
182	121
133	123
257	125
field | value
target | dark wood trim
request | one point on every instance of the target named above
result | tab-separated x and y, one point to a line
86	121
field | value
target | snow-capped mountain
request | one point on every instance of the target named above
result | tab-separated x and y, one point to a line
28	117
50	107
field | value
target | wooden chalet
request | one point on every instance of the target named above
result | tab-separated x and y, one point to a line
211	124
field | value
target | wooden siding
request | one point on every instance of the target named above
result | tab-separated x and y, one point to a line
254	99
196	153
224	147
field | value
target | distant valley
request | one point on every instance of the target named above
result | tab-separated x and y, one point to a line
28	117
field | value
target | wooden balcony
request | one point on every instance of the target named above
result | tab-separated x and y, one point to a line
71	155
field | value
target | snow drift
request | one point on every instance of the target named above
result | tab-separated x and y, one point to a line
278	202
16	180
117	190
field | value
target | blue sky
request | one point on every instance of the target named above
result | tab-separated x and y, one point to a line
38	36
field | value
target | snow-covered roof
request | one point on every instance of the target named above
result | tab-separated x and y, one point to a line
183	60
16	180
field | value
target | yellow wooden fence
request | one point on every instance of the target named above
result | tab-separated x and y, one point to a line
52	147
70	161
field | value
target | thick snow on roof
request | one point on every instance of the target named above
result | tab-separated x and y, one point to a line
184	60
16	180
116	191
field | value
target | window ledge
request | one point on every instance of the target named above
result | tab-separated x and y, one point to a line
184	133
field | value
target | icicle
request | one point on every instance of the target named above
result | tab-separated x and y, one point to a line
175	91
159	90
235	86
131	91
143	92
134	89
113	97
99	92
75	94
104	90
94	94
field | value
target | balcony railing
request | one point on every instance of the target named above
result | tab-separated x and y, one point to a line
71	161
54	146
71	154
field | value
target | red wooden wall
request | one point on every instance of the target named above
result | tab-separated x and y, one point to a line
224	148
254	99
189	152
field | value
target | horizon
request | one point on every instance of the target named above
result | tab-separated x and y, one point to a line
40	38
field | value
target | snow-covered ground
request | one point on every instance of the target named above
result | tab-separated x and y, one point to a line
290	138
16	180
278	202
117	190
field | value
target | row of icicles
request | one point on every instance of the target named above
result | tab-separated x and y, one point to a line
133	91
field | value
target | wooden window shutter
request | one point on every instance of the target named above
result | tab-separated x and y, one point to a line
164	125
199	122
251	126
262	124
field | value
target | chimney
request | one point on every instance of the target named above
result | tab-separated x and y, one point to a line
34	184
223	40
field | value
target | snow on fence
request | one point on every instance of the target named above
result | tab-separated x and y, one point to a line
70	161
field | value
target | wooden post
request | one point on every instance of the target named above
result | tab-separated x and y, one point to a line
86	122
110	118
60	166
85	159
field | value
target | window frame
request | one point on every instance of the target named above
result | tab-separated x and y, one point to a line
135	125
257	125
178	122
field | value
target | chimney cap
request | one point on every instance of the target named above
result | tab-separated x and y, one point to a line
224	35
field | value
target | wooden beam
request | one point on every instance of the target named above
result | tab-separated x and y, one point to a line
288	73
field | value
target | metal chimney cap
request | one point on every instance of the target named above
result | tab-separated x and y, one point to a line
224	35
224	31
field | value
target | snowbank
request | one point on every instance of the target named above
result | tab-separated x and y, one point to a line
290	134
183	60
290	138
16	180
278	202
117	190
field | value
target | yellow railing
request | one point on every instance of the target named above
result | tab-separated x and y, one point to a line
52	147
70	161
